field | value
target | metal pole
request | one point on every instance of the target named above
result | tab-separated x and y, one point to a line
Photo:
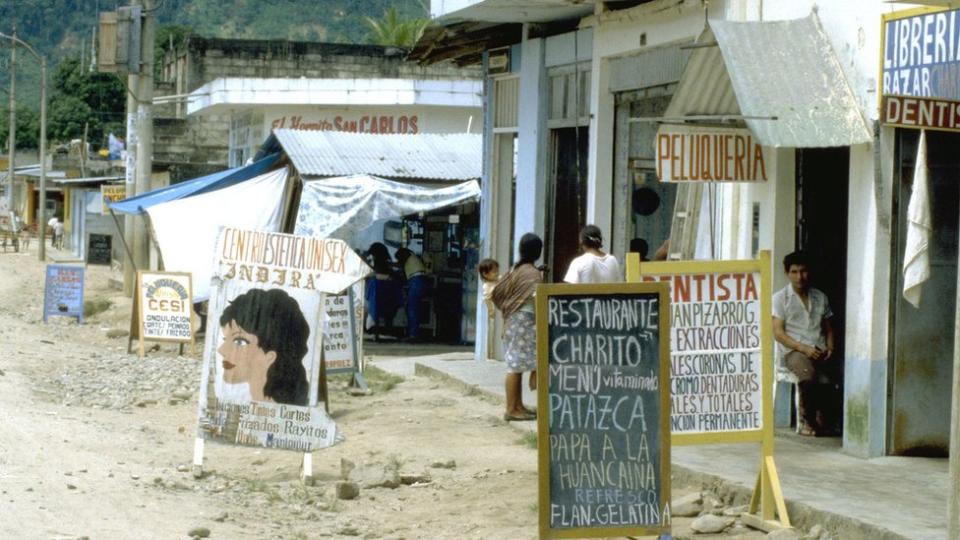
43	157
145	131
12	131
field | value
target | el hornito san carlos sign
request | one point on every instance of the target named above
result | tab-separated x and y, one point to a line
920	66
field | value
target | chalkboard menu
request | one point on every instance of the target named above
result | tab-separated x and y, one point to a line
99	248
603	422
63	292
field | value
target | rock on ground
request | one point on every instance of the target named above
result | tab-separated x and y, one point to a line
785	534
375	475
709	524
347	490
687	506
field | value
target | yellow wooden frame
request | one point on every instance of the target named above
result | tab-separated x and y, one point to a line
138	311
768	492
544	292
884	19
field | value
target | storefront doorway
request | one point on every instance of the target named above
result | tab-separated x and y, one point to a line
823	180
922	363
643	205
569	200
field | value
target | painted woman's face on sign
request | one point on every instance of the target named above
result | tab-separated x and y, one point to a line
243	359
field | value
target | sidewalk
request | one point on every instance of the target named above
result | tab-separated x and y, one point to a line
888	498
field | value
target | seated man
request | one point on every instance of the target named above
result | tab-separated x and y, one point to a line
802	326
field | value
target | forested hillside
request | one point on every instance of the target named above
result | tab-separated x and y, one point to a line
63	29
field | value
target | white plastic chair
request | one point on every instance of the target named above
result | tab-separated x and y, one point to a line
782	374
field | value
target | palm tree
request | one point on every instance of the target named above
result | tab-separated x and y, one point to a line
394	30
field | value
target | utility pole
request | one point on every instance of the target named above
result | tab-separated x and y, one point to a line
43	159
139	144
141	246
130	221
12	131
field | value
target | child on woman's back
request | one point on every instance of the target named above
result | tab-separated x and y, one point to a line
489	271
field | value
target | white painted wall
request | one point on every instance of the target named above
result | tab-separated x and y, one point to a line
531	144
370	119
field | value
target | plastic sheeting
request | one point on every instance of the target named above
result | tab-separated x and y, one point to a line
342	207
187	229
205	184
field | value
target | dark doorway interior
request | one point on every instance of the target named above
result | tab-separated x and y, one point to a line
569	198
823	180
922	364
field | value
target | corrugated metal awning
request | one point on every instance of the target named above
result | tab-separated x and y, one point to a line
782	77
423	156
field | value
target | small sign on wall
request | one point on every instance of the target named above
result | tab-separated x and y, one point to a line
110	193
702	154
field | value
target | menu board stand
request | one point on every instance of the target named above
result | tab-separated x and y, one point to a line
725	282
162	288
604	399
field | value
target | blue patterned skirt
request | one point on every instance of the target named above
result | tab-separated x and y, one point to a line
520	342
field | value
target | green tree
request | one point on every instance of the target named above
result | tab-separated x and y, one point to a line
395	30
82	98
28	127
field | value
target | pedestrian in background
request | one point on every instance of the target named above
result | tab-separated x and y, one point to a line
594	266
514	297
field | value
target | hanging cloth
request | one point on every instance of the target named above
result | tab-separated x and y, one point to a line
916	254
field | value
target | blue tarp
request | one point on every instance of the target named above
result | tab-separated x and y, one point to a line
205	184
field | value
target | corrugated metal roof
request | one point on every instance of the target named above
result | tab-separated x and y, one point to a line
704	87
424	156
782	69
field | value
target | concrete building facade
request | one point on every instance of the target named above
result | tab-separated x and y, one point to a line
572	111
189	145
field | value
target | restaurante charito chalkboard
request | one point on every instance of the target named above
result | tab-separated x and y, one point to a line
604	409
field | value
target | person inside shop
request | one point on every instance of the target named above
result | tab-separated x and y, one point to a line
417	284
514	297
593	266
803	328
383	295
639	246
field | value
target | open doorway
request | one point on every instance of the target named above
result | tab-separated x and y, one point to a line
823	180
569	198
922	365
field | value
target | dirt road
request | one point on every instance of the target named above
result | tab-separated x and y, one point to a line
95	443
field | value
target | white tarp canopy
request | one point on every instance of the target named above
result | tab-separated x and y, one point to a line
187	229
342	207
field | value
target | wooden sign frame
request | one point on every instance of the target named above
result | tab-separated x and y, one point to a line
356	342
544	292
768	494
48	274
137	323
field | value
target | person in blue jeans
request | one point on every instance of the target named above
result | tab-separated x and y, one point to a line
416	274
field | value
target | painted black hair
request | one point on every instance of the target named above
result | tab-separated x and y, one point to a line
275	318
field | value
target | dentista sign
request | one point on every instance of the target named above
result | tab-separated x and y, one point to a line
699	154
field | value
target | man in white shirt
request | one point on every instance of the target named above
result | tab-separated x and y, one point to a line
802	327
594	266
